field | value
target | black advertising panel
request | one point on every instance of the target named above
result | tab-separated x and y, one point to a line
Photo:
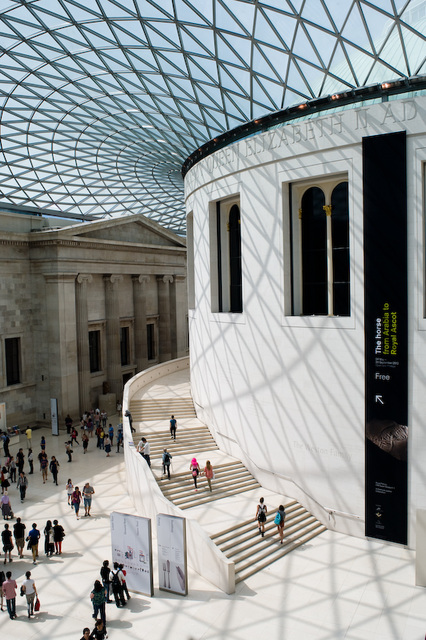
385	262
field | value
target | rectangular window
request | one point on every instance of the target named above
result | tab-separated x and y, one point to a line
95	351
150	338
124	346
12	348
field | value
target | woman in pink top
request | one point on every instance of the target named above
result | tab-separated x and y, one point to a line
194	468
209	473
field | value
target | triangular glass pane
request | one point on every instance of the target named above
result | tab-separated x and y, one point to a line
314	11
354	30
229	21
281	30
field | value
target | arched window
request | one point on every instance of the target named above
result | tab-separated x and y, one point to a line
235	284
225	257
319	249
314	253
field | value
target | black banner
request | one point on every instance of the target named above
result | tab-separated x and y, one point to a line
386	396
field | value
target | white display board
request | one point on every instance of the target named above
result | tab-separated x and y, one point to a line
172	566
132	547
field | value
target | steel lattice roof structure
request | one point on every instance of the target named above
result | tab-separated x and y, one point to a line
101	101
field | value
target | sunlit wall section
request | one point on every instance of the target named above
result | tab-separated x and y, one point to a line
282	383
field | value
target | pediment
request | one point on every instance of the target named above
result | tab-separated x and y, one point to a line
134	229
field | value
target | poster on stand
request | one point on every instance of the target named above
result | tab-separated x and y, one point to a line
54	416
131	544
172	566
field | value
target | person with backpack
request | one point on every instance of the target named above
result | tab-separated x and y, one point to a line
117	587
166	459
279	521
58	536
32	538
261	512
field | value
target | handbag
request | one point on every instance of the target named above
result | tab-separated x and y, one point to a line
37	605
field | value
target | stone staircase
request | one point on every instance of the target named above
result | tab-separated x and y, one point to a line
241	543
147	409
189	441
230	479
251	552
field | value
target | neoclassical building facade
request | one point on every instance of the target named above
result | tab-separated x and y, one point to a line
83	308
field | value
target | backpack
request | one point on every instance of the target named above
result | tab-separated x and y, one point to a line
166	458
278	518
115	579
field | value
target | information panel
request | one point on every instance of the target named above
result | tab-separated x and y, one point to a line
386	336
172	566
132	547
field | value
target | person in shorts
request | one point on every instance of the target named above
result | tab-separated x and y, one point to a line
88	492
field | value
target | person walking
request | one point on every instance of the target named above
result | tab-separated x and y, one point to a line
74	435
106	578
6	506
6	441
68	451
194	468
68	423
49	545
124	583
99	632
261	512
44	465
33	538
19	535
76	500
30	459
20	459
85	441
12	469
98	598
119	438
107	445
9	587
58	536
88	492
173	425
111	434
70	488
2	579
30	591
43	443
146	451
54	468
117	585
22	485
279	521
5	484
166	460
209	473
129	415
7	542
29	434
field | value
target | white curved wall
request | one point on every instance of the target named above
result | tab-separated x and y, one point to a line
285	392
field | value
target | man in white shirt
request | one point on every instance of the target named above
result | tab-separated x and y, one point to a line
145	451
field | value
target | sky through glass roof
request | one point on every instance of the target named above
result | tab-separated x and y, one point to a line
101	101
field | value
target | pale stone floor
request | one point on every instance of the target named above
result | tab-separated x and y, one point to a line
334	587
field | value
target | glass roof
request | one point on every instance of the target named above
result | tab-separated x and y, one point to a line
101	101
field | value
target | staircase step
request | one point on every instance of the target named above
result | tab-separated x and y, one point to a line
250	569
211	497
289	508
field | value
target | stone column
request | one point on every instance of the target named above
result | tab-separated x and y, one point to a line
62	344
82	324
140	284
112	315
164	347
181	303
